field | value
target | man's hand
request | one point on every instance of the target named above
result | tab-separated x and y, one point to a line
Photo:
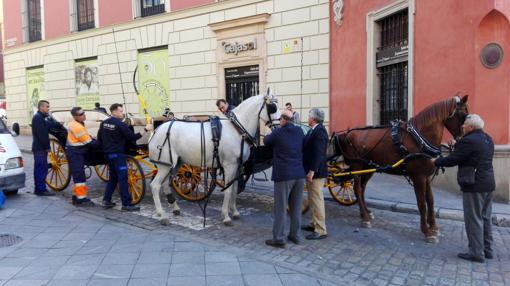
451	142
433	160
149	127
309	176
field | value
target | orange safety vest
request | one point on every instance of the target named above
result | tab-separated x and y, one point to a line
78	134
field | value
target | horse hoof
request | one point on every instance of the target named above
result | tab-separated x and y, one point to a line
177	212
432	239
436	232
228	223
165	221
366	224
236	216
371	215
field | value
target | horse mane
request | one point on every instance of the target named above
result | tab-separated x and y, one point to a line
437	111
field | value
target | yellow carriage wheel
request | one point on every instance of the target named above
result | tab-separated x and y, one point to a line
188	183
102	172
342	192
59	173
136	180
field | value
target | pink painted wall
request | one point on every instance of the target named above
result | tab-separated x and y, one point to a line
12	21
447	47
183	4
56	18
114	12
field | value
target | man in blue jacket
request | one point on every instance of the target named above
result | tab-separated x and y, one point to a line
41	146
316	169
288	176
473	154
112	137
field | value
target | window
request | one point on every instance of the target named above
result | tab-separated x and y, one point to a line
34	20
85	14
392	67
152	7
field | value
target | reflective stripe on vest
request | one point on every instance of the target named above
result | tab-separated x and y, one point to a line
77	135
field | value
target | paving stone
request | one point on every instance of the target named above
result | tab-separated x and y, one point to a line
155	257
255	267
222	268
146	282
121	258
187	269
69	282
114	271
151	271
262	279
26	283
186	281
225	280
75	272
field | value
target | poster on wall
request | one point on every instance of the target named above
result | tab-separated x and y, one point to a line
35	90
153	80
87	84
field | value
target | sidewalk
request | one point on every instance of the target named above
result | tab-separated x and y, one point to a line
46	241
383	192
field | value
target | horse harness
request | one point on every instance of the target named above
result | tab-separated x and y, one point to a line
425	147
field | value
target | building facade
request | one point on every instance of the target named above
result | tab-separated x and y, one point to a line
392	58
179	54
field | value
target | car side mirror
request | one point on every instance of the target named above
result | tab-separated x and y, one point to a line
15	129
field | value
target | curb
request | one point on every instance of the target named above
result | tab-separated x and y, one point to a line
501	220
26	151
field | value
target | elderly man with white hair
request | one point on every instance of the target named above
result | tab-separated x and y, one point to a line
316	170
473	154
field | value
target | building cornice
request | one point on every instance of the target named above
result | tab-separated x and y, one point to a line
236	23
136	23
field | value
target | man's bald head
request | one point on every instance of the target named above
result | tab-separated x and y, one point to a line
285	117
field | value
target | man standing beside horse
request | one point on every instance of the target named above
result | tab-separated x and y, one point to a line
316	169
473	154
288	176
113	135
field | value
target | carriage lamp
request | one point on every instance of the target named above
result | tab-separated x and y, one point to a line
14	163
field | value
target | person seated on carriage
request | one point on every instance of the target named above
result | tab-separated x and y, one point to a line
78	143
41	125
99	108
289	179
224	107
112	137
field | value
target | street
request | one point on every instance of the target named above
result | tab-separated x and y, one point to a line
393	252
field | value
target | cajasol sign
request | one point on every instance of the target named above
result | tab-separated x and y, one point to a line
236	47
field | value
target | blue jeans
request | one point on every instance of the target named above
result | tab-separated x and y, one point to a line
118	172
40	171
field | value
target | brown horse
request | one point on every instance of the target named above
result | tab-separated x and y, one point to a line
381	146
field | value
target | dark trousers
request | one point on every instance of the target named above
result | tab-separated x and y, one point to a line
40	171
76	158
477	218
287	192
118	172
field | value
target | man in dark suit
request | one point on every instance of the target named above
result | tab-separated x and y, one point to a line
316	169
224	107
288	176
473	154
99	108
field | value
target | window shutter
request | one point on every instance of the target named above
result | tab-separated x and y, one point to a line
137	8
24	20
73	15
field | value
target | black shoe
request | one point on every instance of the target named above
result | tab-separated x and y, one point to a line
489	255
315	236
85	202
275	243
293	239
108	205
470	257
44	194
130	208
307	228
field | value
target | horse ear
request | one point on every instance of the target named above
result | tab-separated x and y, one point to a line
464	99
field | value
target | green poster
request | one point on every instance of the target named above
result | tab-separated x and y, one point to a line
35	90
153	81
87	84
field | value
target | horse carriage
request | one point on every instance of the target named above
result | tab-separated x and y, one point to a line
59	173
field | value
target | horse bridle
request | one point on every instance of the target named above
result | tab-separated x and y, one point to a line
271	108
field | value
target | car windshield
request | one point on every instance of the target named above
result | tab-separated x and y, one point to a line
3	128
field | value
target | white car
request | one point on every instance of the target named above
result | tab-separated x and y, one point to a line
12	174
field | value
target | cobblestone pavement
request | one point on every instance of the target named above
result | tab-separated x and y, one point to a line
393	252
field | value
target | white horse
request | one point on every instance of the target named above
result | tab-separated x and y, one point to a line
184	144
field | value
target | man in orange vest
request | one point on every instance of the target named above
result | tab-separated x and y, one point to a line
78	141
